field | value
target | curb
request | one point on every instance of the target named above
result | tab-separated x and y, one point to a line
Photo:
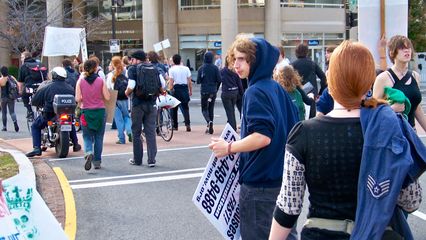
38	174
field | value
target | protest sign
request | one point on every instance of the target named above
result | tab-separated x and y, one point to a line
217	194
62	41
27	215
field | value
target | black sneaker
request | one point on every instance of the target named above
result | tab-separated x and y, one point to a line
211	127
88	164
16	126
76	147
34	152
188	128
151	165
4	129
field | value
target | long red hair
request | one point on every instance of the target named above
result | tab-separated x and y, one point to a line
351	75
117	64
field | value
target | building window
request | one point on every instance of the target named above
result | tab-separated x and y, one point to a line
131	9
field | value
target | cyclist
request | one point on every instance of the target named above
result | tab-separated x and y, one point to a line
31	72
44	98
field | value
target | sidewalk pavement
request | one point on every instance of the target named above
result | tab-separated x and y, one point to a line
47	182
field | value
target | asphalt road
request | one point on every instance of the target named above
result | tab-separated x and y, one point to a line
121	201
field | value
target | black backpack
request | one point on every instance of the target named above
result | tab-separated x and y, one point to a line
120	85
37	72
12	88
148	82
72	78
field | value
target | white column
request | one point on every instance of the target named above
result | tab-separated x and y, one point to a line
229	24
151	32
170	11
273	21
4	51
55	17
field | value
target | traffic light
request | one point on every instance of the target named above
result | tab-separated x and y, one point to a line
351	19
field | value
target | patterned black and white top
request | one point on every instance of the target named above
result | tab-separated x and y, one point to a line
324	154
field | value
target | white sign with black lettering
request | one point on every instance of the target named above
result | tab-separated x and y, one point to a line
218	191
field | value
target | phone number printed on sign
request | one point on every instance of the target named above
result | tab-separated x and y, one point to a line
217	194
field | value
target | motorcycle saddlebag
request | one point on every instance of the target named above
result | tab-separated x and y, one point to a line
64	103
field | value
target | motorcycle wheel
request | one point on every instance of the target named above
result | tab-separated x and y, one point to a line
62	145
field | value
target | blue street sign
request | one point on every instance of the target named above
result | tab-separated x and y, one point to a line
313	42
217	44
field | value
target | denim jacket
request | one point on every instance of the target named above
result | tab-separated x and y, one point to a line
393	157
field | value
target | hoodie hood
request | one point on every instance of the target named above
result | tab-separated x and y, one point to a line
208	57
266	59
91	78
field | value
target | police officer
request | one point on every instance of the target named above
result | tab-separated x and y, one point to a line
44	98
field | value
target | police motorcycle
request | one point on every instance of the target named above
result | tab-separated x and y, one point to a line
57	132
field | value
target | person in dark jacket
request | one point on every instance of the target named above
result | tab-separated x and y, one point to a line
72	74
27	80
209	78
268	116
309	70
232	87
44	98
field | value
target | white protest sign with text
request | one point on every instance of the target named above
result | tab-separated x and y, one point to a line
217	194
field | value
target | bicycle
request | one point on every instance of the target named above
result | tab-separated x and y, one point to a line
164	124
30	118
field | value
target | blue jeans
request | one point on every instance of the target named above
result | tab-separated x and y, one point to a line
257	205
93	141
122	119
144	114
39	123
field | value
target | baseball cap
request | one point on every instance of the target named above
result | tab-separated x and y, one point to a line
139	54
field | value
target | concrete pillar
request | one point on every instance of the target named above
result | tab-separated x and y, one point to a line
151	29
55	17
79	13
170	16
273	22
4	50
229	24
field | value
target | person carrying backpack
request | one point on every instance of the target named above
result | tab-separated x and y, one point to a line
9	93
30	73
72	74
145	84
118	81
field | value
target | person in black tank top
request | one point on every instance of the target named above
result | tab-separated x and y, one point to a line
399	77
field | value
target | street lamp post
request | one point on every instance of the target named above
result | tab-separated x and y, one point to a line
113	12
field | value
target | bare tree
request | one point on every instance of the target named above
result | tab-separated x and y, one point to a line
27	19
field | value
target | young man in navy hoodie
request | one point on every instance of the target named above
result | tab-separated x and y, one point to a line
267	117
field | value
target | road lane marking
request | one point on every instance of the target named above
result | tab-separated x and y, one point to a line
135	181
128	153
70	227
136	175
419	215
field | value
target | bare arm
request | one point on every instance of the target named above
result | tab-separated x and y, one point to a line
252	142
419	114
3	81
105	92
78	96
171	83
189	85
382	81
278	232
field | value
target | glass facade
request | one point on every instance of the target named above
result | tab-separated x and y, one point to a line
209	4
131	9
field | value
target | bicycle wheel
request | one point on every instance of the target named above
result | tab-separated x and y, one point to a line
164	123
